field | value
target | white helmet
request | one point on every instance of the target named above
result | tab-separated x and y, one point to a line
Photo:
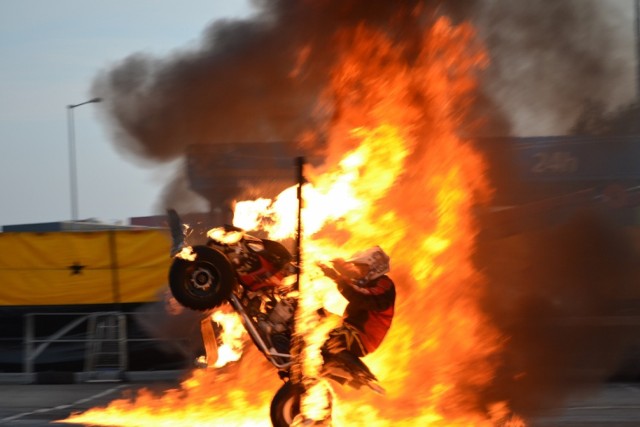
375	259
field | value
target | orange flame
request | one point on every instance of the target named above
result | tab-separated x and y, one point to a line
232	337
397	175
237	395
187	253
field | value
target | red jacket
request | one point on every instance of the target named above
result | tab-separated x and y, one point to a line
370	308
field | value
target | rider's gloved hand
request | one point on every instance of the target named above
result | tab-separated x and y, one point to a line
328	271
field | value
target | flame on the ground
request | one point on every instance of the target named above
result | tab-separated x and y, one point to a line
236	395
398	175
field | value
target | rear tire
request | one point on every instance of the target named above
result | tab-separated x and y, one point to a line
285	405
204	283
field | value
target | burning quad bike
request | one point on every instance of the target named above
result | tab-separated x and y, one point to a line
247	272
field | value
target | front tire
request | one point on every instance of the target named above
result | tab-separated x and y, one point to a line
204	283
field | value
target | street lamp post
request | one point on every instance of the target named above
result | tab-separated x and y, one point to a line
73	173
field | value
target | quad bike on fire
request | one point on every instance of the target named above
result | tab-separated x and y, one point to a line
247	272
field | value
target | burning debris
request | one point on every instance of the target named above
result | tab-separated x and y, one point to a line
397	83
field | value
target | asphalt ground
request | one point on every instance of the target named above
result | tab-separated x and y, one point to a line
42	405
614	405
25	402
36	405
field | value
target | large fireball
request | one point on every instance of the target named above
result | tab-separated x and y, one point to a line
397	175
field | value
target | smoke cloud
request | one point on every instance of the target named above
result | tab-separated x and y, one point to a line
555	294
548	58
176	328
249	80
259	79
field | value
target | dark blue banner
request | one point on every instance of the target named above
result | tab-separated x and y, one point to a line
572	158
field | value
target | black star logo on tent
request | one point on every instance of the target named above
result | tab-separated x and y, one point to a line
76	268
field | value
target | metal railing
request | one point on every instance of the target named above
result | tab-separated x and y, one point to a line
103	335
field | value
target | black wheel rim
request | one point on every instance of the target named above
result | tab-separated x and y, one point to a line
202	279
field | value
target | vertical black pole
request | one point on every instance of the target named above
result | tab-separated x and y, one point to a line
300	179
297	342
637	21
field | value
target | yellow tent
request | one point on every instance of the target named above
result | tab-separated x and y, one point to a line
92	267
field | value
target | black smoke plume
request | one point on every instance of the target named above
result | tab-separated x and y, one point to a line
561	296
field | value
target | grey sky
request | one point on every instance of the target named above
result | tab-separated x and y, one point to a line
545	66
51	51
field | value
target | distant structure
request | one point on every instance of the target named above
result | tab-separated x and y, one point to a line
44	227
222	173
535	168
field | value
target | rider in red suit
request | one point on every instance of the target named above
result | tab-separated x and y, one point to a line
371	295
